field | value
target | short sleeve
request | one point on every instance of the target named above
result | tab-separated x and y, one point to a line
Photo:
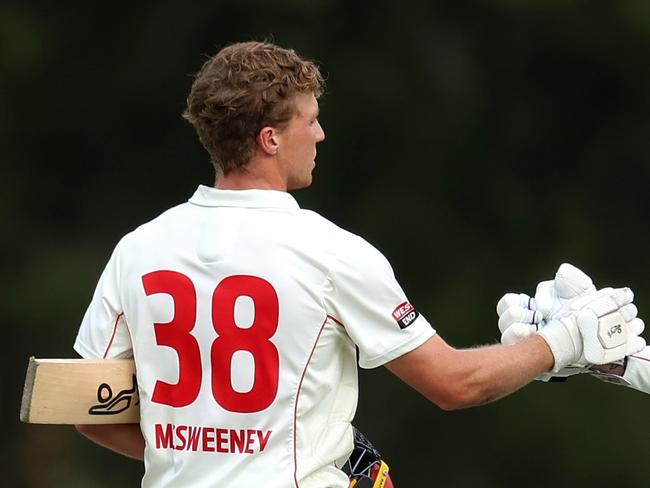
103	333
366	298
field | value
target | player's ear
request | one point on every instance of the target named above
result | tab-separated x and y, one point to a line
268	140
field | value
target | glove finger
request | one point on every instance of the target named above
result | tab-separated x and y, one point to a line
514	300
635	345
623	296
605	301
629	312
571	282
635	327
545	298
515	315
517	332
602	295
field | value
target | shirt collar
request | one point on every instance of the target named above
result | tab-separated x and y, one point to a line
206	196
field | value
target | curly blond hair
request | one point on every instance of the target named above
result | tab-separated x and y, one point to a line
246	86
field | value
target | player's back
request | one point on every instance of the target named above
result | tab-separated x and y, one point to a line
244	378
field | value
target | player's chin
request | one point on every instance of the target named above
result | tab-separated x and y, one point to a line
298	186
302	182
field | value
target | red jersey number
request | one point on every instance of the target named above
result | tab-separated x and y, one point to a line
176	334
254	339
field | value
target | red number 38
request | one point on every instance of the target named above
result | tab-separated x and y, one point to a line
231	338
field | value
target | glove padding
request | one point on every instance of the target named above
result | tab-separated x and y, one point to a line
609	326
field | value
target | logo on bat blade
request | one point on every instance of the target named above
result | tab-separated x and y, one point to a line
112	405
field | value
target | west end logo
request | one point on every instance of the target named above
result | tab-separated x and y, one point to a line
405	314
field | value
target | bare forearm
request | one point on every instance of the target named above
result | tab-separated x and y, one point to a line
493	372
125	439
459	378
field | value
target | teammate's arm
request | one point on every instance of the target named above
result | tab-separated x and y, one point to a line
459	378
125	439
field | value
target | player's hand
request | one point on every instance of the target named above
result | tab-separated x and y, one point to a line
518	322
521	316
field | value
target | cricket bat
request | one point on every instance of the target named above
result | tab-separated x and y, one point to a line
80	391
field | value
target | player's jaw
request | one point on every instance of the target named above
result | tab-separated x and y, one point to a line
297	152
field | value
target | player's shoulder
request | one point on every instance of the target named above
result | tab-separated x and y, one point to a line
314	221
326	229
344	244
155	227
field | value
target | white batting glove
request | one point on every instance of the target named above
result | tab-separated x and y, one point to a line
517	309
521	316
598	328
518	322
557	294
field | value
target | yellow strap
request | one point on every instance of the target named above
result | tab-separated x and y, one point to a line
380	481
382	476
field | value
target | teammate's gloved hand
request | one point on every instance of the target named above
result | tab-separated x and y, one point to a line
554	295
596	328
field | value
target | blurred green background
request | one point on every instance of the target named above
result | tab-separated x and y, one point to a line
478	144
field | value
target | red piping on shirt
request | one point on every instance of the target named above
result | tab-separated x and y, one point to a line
295	408
639	357
117	320
336	320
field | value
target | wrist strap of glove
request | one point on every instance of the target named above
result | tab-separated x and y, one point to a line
565	347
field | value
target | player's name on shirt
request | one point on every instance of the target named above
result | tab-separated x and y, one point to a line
211	439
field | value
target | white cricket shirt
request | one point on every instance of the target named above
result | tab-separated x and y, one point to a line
242	312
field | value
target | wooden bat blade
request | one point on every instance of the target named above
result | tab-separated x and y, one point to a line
80	391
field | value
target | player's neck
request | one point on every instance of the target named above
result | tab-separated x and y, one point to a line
259	174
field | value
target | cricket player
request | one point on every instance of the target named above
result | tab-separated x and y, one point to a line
521	316
243	311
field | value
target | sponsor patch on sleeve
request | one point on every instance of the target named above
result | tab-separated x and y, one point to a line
405	314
